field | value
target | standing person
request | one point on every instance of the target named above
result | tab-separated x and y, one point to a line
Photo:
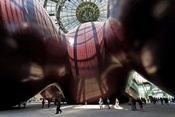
24	104
49	101
161	99
86	103
58	108
140	104
43	103
108	103
133	104
101	103
134	101
116	102
55	102
131	101
166	101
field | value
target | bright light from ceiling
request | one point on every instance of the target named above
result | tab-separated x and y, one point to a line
71	41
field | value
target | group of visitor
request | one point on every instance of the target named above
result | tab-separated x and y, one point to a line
57	103
101	103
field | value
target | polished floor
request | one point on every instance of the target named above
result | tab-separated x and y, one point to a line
35	110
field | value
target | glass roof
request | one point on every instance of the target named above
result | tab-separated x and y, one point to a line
67	14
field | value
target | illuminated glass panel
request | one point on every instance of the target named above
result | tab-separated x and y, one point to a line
68	14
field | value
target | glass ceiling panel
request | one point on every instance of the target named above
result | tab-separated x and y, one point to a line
68	14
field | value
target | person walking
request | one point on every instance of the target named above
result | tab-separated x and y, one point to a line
58	108
108	103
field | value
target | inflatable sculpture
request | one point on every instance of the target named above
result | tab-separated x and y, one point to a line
91	61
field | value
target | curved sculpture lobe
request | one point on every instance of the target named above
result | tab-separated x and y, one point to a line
149	33
96	72
28	58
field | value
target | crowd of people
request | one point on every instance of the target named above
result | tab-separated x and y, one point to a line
57	102
136	101
132	102
153	100
101	103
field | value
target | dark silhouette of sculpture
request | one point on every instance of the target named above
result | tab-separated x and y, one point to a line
91	61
